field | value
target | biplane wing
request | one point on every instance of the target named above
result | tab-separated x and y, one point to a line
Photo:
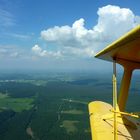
127	48
107	122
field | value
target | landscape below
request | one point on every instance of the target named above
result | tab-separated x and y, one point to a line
48	106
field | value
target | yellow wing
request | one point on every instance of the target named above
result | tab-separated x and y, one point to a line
125	51
127	47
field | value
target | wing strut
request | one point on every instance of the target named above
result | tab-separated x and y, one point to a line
115	100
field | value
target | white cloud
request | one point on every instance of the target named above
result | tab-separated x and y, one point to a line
44	53
76	40
114	21
11	51
78	52
66	36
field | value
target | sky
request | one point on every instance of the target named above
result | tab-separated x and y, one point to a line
61	34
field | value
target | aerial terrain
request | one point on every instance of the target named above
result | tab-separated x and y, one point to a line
48	106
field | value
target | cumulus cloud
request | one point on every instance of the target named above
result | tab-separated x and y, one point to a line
66	36
114	21
44	53
77	40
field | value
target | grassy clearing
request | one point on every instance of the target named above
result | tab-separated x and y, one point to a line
69	126
73	112
2	96
16	104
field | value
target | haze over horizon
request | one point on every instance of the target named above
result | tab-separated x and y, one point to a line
61	35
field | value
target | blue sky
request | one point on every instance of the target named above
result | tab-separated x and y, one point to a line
61	34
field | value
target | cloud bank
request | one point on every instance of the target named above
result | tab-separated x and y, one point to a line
78	41
10	52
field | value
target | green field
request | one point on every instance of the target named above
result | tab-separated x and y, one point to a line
70	126
16	104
